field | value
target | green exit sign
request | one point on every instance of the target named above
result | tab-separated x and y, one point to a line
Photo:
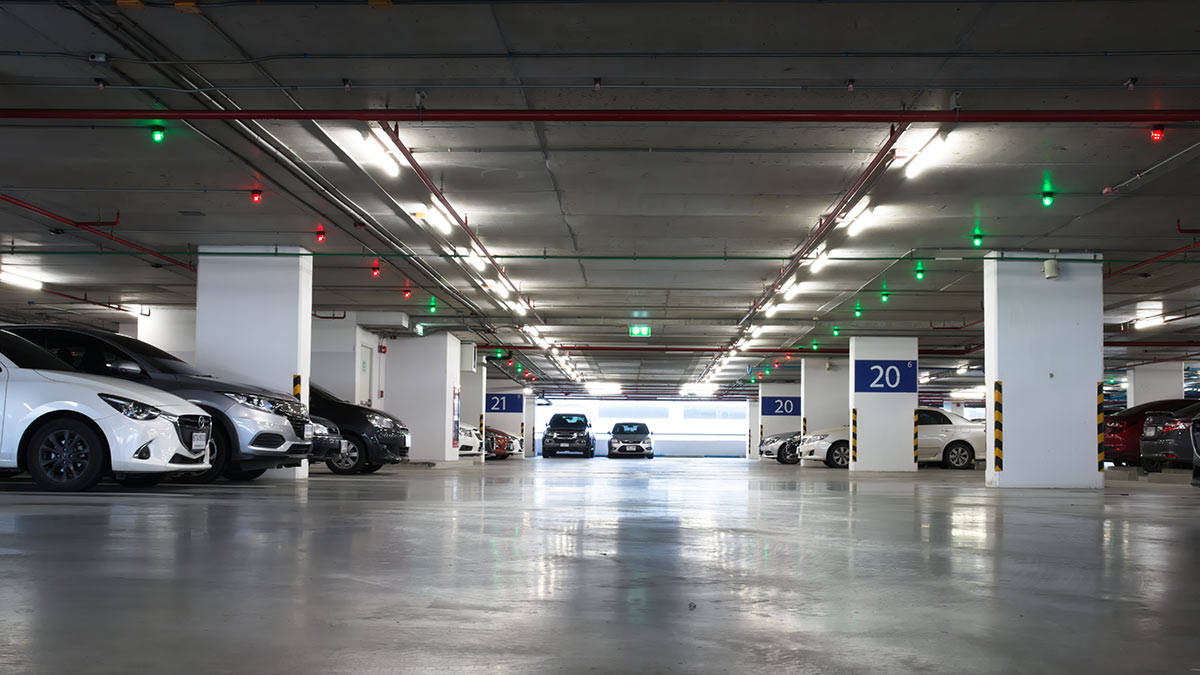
639	331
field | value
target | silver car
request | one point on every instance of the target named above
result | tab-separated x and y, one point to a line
253	429
772	447
944	437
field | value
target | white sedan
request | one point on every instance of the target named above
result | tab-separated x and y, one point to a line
942	436
68	429
470	442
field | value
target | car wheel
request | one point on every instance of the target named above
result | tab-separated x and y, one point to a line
958	456
65	455
220	451
138	480
779	457
1152	465
787	454
371	468
838	455
248	475
351	461
547	453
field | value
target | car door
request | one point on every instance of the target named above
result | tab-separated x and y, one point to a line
933	433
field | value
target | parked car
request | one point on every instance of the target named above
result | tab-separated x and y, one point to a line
1167	438
1123	430
254	429
781	447
470	443
375	437
568	432
68	429
944	437
500	444
630	439
327	441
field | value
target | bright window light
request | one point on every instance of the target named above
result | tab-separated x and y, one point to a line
528	391
698	389
972	393
604	388
10	277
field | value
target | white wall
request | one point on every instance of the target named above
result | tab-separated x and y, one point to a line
825	392
421	376
335	355
885	420
1044	342
1154	382
754	431
687	428
474	385
171	329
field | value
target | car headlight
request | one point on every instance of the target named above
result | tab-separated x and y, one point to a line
380	421
817	437
321	430
253	400
134	410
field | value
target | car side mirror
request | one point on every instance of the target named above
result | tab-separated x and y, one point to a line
126	367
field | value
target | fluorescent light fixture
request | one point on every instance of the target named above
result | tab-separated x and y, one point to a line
856	210
962	370
530	330
933	153
528	391
972	393
787	285
733	351
498	288
1149	313
792	292
10	277
820	262
861	223
755	331
517	307
698	389
471	256
911	143
604	388
375	151
771	309
434	218
1148	322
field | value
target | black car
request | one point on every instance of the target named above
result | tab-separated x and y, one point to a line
1167	438
375	438
568	433
630	439
327	441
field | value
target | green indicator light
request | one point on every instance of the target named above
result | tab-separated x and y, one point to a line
814	345
836	331
883	297
1047	199
977	240
420	329
767	371
499	353
157	134
639	331
920	271
520	368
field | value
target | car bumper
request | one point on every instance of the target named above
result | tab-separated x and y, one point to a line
630	450
1165	451
816	450
387	447
325	447
267	436
153	446
566	446
769	450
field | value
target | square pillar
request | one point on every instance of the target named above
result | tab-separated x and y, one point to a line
424	390
254	319
883	398
1044	354
754	434
505	405
824	393
474	386
1154	382
778	408
171	329
527	429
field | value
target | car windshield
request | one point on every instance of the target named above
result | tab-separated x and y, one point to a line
25	354
322	393
162	361
632	428
569	422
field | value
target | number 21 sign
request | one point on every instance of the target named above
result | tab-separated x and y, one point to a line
885	377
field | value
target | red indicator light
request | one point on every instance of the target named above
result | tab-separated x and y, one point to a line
407	294
1156	133
256	196
375	270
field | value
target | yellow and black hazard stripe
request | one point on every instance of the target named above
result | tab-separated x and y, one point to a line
760	433
998	417
480	422
296	386
914	436
854	434
1100	427
803	426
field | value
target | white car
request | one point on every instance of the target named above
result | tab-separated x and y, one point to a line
942	436
769	447
470	443
68	429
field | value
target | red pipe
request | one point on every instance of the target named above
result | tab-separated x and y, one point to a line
712	350
1179	228
1168	254
601	115
88	228
85	299
962	327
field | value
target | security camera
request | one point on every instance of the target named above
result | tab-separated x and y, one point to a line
1050	268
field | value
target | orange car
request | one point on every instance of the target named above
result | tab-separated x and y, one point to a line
500	444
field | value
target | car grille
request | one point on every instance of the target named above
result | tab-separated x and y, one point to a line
186	425
299	449
267	440
183	459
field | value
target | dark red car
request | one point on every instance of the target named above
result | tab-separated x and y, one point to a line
1123	430
500	444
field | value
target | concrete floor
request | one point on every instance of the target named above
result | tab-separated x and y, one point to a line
568	565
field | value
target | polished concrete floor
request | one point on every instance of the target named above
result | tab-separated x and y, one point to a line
571	565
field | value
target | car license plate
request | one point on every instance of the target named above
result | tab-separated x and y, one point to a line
308	430
1151	431
199	440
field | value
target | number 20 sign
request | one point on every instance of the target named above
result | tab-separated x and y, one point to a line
885	376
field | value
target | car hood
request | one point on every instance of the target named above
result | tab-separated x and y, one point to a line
497	432
632	438
832	431
213	384
124	388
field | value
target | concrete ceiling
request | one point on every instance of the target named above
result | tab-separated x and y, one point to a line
676	225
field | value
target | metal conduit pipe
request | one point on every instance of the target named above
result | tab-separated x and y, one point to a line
1157	258
603	115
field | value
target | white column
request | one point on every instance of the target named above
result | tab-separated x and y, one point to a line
1044	346
1154	382
779	407
883	394
824	393
474	384
505	406
528	425
171	329
335	359
424	389
753	431
254	319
